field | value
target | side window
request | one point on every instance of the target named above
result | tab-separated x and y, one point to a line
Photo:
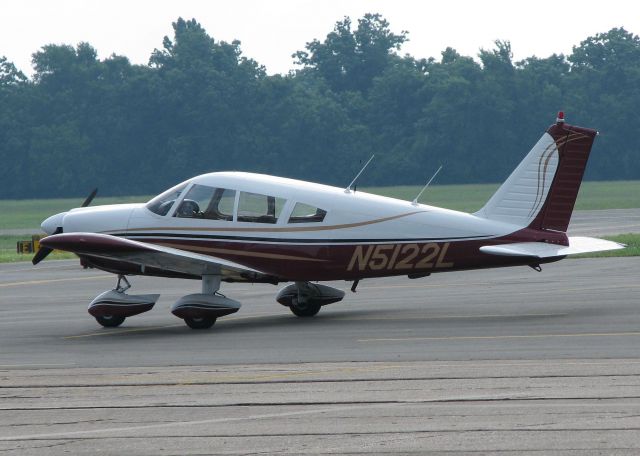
207	202
305	213
162	203
221	207
257	208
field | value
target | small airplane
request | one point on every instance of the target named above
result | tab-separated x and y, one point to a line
244	227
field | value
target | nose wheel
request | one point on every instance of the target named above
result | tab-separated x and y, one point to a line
110	321
112	307
113	321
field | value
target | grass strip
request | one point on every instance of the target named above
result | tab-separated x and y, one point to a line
28	214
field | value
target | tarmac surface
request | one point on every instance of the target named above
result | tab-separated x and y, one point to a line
507	361
604	222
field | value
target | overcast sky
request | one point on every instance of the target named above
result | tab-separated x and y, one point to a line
270	31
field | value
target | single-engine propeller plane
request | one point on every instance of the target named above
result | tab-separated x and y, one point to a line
243	227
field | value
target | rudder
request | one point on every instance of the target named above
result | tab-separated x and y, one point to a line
574	146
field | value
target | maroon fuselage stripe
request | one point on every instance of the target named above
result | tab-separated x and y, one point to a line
346	262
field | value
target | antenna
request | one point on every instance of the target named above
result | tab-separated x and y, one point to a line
415	200
348	189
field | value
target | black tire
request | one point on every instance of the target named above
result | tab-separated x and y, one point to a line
200	323
308	310
110	321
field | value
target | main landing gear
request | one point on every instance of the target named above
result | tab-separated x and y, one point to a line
304	299
200	310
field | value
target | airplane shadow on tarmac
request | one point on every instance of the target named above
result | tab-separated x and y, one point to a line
347	318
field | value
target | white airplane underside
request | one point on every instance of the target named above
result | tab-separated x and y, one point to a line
243	227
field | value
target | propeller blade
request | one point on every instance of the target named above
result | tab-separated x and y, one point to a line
43	252
90	198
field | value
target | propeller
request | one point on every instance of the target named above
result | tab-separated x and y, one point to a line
43	252
90	198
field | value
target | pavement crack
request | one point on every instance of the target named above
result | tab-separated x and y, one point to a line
313	381
56	443
324	403
335	434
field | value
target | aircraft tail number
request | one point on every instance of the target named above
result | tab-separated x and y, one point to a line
399	257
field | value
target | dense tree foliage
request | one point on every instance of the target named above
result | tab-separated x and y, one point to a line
200	105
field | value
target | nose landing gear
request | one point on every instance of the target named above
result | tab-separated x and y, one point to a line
112	307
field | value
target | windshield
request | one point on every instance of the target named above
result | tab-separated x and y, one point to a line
162	203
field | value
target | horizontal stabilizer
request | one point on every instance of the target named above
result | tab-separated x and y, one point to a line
543	250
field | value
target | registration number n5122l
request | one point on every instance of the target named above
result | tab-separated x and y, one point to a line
398	257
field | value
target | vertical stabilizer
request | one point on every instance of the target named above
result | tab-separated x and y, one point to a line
541	192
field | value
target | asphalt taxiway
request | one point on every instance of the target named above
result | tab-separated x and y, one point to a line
604	222
507	360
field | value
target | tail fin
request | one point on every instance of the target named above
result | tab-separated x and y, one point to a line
541	192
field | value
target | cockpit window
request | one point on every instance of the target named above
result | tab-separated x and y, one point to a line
305	213
257	208
207	202
162	203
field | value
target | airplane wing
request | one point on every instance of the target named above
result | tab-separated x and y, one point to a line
576	245
104	246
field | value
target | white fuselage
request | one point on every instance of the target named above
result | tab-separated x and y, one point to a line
350	215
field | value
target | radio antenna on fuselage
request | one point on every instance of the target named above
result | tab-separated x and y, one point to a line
415	200
348	189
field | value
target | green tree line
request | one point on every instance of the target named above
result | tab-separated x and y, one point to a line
200	105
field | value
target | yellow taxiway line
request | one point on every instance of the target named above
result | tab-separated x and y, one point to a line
448	317
121	331
515	336
45	281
